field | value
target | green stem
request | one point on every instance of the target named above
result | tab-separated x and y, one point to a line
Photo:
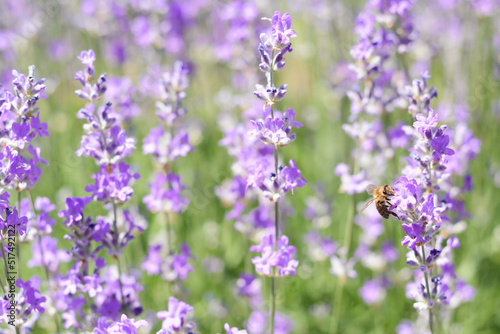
4	258
340	286
349	224
276	214
115	225
334	324
427	286
169	234
18	243
273	305
2	285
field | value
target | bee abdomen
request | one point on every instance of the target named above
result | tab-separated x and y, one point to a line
382	209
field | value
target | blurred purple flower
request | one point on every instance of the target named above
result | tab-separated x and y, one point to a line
174	320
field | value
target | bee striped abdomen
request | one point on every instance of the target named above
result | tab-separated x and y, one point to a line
383	209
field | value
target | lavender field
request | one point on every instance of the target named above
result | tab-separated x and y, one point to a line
250	167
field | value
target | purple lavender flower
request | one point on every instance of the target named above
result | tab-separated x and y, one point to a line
125	325
406	193
281	32
273	131
270	95
165	148
292	177
425	123
439	144
342	267
419	95
51	255
28	92
175	319
19	223
153	260
112	184
234	330
249	286
29	301
162	199
281	259
259	321
413	237
373	291
351	184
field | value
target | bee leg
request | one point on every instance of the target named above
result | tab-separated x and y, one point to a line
394	214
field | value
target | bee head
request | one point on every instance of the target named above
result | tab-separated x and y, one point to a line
388	191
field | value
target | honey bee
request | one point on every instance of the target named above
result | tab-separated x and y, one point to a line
381	198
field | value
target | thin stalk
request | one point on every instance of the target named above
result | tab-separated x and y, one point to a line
340	286
273	304
48	277
427	286
349	224
4	258
402	62
276	214
2	285
42	253
18	330
18	244
115	225
334	324
169	234
271	78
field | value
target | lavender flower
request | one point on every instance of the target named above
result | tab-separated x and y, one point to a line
234	330
281	258
249	286
166	189
171	267
175	319
125	325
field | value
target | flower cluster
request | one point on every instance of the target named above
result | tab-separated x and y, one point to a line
417	206
172	267
384	27
386	33
278	257
276	131
20	170
28	306
109	292
175	318
20	122
166	143
424	202
274	128
248	288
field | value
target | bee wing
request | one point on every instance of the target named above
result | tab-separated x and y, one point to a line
370	189
367	205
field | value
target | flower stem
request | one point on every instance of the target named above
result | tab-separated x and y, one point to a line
169	234
273	305
349	223
427	286
334	323
276	215
18	243
4	258
340	286
115	226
